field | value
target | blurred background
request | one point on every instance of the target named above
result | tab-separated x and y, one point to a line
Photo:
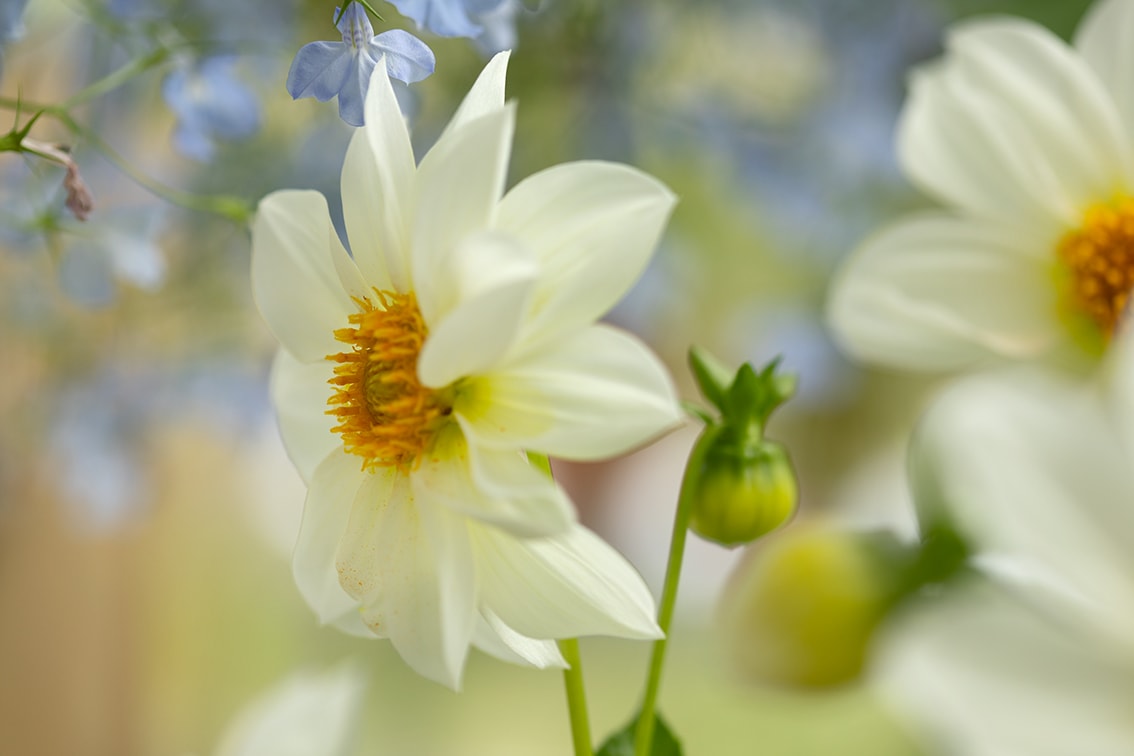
147	509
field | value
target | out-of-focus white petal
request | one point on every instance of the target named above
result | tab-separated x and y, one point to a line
497	639
982	675
593	394
295	280
1013	126
377	189
593	226
933	292
408	561
325	514
459	184
308	713
1105	39
1028	466
486	95
493	279
562	587
497	487
300	392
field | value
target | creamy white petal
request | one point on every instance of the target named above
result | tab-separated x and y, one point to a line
933	292
982	675
1117	383
299	392
378	189
593	394
494	486
1013	125
1028	465
492	280
336	482
497	639
593	226
459	184
485	96
408	561
1105	39
295	279
562	587
308	713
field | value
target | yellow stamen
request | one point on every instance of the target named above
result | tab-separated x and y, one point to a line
384	413
1099	255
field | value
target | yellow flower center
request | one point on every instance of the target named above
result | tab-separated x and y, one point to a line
1099	256
384	413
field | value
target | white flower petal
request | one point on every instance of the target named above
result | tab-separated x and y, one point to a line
493	279
1027	464
377	189
983	676
562	587
1105	39
459	184
497	639
336	482
593	226
408	561
591	395
295	279
308	713
299	392
933	292
485	96
1013	125
497	487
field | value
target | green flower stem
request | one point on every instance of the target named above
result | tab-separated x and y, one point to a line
576	697
235	209
115	79
644	734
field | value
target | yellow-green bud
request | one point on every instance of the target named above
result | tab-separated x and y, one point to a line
743	491
802	610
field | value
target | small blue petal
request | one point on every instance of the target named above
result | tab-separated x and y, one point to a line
320	70
445	18
355	25
408	59
12	19
353	94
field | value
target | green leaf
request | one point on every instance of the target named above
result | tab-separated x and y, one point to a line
621	743
713	378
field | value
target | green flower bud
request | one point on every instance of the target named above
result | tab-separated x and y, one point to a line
743	491
804	608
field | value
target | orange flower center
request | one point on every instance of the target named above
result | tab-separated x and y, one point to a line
1099	256
384	413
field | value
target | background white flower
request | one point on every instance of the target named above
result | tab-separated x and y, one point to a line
1029	143
460	335
1036	657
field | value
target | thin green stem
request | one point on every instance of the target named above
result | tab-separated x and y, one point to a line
576	697
644	733
115	79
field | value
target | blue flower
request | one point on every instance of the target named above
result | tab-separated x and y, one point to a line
11	20
449	18
325	69
210	103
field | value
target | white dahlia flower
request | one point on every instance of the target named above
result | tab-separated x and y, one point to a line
417	372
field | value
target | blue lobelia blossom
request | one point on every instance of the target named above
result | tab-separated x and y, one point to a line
325	69
210	103
449	18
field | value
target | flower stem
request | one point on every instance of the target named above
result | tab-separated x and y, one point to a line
644	733
576	697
